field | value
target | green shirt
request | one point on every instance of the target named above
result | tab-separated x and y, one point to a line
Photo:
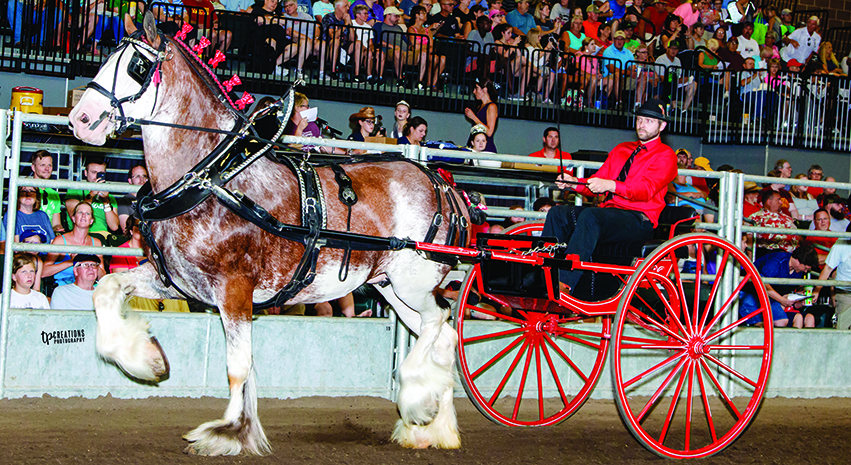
100	216
51	202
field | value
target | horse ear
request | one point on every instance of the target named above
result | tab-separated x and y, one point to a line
150	27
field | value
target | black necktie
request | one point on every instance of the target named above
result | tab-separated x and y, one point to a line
625	170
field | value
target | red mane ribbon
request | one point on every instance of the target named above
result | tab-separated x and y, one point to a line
201	45
186	29
220	57
232	82
244	101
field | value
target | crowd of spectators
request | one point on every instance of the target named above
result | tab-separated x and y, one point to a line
568	51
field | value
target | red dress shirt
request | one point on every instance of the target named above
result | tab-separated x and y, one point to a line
647	181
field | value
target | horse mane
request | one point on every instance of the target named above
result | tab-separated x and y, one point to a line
208	77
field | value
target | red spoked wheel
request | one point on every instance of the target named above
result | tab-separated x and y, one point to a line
529	367
689	375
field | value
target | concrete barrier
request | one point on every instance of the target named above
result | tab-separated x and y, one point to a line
53	352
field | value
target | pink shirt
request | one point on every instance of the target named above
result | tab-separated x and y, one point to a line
687	13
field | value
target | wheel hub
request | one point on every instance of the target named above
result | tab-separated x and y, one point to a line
697	348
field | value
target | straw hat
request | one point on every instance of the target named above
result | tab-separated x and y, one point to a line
364	113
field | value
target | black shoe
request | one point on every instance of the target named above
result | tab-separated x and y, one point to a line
359	78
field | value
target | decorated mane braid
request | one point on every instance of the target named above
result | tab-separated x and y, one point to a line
225	87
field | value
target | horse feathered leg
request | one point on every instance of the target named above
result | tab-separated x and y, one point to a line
425	399
239	430
122	335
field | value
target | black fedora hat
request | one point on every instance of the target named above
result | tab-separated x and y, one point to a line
653	108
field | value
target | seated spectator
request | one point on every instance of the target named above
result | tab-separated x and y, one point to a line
748	47
270	44
41	164
561	11
821	223
805	203
336	38
539	68
124	263
681	188
519	19
362	36
400	116
551	141
28	216
815	173
466	16
592	25
791	265
23	279
674	82
731	58
508	222
644	77
834	205
375	12
300	126
104	205
32	237
672	34
802	44
771	217
696	39
390	43
839	259
322	8
136	176
61	267
689	13
751	85
363	123
78	294
604	36
616	52
303	31
448	25
509	60
751	201
572	38
826	191
543	204
415	132
825	61
478	142
432	64
481	34
656	15
787	206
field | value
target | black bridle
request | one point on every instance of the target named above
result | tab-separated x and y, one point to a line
141	69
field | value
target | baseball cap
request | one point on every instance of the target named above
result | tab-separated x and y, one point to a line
32	232
80	258
393	11
592	8
619	35
703	162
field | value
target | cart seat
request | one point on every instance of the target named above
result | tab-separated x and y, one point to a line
669	217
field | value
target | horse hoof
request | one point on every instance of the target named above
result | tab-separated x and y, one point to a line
159	362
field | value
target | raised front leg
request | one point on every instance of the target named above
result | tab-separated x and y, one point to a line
122	335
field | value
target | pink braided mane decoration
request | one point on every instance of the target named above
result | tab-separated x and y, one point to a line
234	105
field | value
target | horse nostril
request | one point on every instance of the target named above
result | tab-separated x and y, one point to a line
84	118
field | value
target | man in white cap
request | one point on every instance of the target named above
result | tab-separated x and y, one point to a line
78	295
802	44
389	42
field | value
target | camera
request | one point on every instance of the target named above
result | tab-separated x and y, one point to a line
101	176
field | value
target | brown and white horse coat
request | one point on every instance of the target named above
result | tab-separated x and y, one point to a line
228	262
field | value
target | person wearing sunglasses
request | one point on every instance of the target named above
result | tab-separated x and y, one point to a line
803	43
78	295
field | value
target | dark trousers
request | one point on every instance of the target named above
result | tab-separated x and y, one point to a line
584	227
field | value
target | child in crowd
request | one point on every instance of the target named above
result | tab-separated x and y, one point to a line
23	279
29	215
33	237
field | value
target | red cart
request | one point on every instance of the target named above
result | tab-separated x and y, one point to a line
688	374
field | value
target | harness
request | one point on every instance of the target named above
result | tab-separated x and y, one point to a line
240	149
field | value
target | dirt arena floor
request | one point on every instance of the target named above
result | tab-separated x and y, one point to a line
357	431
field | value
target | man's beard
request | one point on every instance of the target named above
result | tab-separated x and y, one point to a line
837	214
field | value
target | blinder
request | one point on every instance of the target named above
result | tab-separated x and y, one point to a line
139	67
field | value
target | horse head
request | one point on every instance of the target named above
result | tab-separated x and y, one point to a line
125	87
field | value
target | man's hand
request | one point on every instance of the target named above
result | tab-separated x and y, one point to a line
794	43
600	186
565	177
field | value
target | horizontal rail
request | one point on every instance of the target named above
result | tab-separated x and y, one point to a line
124	188
77	249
